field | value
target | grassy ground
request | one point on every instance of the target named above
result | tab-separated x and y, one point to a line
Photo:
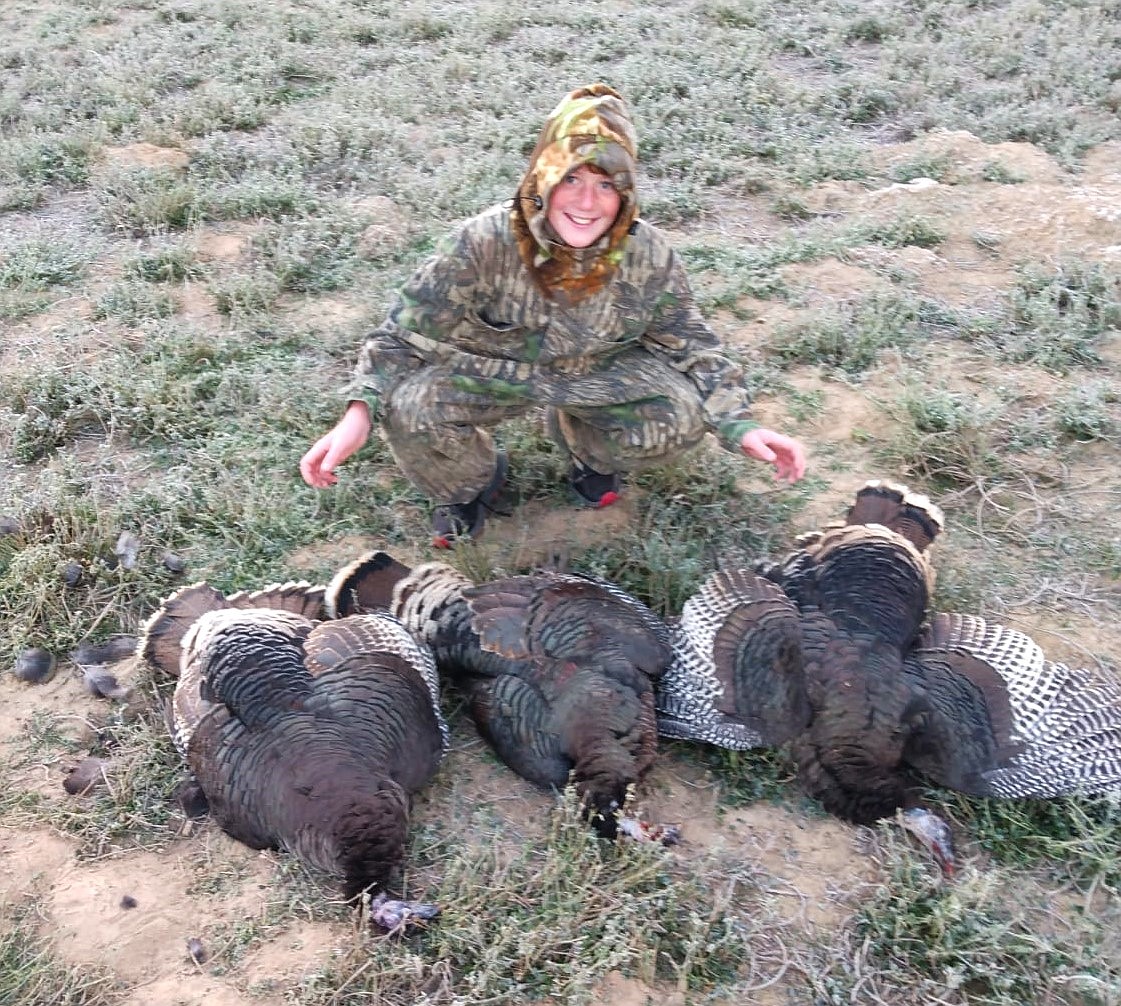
203	205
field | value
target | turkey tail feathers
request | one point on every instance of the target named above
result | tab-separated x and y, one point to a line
566	617
898	509
366	584
297	596
162	633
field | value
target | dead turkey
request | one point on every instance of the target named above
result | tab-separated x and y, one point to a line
303	734
833	648
557	668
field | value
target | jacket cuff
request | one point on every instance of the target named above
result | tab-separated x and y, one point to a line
359	393
731	433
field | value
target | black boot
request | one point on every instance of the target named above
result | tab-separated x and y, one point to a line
465	520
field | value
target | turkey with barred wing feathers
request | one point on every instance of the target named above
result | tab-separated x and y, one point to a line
558	670
833	649
304	734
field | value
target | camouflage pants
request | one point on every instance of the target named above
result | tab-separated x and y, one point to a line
631	413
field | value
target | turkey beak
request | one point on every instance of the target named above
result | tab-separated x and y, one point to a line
646	831
934	834
395	916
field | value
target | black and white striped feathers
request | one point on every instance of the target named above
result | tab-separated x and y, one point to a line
558	668
303	734
832	648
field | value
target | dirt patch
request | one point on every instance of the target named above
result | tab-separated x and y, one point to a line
224	242
146	155
1032	211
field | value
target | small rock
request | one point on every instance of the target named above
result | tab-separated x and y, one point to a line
199	953
35	666
127	549
72	573
128	901
9	525
84	777
173	562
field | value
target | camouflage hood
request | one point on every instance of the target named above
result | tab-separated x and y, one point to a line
589	126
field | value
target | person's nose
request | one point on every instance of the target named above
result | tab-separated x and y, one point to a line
586	197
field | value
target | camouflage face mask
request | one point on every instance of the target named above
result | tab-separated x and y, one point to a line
590	126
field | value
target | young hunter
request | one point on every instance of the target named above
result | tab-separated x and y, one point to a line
562	298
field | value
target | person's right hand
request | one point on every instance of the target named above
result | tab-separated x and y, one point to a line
318	465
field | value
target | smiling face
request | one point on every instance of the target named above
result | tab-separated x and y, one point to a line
583	206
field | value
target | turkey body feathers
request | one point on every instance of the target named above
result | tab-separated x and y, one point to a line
557	669
889	699
304	735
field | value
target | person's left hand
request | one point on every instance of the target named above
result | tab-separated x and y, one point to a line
785	453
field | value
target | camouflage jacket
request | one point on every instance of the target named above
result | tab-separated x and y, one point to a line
475	308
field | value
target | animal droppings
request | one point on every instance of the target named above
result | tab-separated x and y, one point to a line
173	563
35	666
191	800
84	777
108	652
103	684
197	951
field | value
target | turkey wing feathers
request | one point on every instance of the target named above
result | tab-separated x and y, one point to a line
358	639
737	677
513	717
566	617
1055	730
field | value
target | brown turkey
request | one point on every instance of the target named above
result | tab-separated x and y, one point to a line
833	648
557	669
303	734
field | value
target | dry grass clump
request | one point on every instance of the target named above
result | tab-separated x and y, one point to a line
991	937
550	919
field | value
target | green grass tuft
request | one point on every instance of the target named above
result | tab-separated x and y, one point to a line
40	263
1058	317
32	973
146	201
975	942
